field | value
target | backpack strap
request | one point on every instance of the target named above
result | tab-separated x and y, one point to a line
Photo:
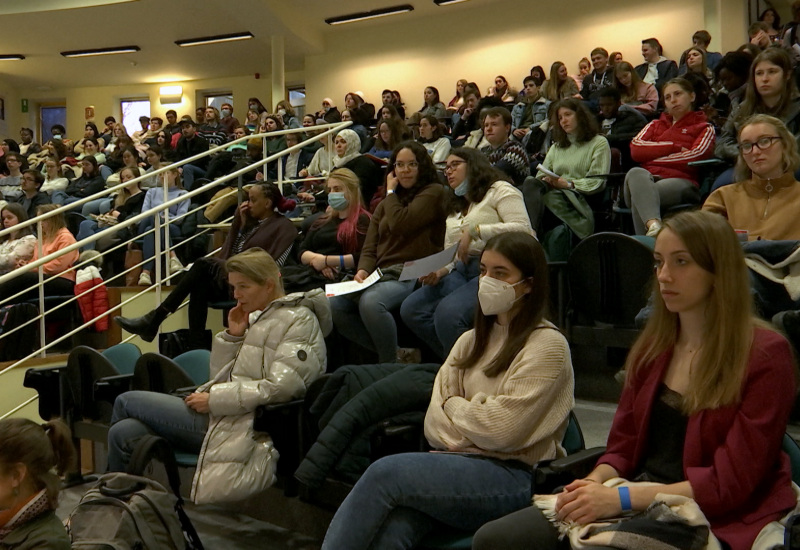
148	448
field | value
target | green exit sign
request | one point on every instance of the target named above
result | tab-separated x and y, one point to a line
24	105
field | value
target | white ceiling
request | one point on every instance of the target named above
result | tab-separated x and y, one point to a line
154	25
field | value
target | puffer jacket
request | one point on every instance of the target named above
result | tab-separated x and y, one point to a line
281	353
95	302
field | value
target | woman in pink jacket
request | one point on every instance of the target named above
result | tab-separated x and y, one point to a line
664	148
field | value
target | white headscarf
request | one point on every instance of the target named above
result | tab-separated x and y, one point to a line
353	147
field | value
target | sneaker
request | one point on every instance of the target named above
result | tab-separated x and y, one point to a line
409	355
144	279
654	229
175	265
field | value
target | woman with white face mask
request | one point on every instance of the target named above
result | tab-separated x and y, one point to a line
500	403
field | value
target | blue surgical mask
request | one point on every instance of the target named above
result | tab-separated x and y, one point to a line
461	190
226	112
56	136
338	201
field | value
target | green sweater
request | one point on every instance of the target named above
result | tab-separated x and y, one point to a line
579	160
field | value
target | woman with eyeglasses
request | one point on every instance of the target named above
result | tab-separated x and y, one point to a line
482	204
407	225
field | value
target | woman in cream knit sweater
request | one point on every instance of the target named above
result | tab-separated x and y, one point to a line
500	403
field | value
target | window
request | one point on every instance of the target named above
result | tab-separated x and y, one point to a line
297	98
50	115
217	99
132	109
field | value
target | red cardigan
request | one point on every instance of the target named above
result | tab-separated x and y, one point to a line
732	455
658	147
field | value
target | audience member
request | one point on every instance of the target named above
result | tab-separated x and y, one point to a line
285	110
664	148
16	247
272	350
656	69
255	104
702	414
329	112
407	225
578	154
227	120
32	196
10	184
758	33
258	223
468	118
502	90
347	145
294	162
212	130
27	145
143	133
500	404
791	41
90	131
108	129
618	125
89	183
504	153
640	96
730	78
54	178
537	72
584	68
432	106
432	137
702	39
189	145
172	127
528	117
560	85
601	77
59	133
773	20
458	100
32	457
482	205
127	202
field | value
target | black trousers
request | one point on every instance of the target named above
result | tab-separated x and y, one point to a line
54	286
205	282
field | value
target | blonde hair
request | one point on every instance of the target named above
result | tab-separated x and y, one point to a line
721	364
258	266
791	157
124	194
52	225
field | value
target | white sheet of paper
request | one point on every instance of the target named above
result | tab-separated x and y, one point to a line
419	268
348	287
547	172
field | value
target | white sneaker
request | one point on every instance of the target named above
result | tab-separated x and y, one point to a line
175	265
654	228
144	279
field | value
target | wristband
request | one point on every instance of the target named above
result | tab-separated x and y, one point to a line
389	192
341	262
625	498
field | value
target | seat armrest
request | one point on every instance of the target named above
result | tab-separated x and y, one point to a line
579	460
549	475
708	162
49	383
107	389
272	417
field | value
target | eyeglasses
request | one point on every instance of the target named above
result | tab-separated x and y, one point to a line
762	143
453	165
403	165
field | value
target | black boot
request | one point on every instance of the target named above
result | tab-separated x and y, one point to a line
145	326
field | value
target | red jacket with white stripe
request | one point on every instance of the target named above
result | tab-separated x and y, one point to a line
659	147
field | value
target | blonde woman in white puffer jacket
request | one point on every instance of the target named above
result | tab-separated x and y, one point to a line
272	350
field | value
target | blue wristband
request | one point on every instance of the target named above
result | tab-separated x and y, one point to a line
341	262
625	499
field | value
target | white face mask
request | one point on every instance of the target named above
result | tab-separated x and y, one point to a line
496	296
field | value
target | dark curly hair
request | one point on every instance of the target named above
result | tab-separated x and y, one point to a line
426	173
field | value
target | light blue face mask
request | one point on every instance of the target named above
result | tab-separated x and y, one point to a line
338	201
461	190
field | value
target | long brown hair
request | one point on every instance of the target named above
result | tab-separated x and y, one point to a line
722	361
40	447
22	216
527	255
628	94
53	224
753	102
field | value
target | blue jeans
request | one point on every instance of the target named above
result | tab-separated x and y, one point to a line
87	229
61	198
97	206
366	318
149	246
139	413
440	314
400	498
190	172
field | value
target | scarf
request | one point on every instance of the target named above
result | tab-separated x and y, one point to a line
24	512
353	147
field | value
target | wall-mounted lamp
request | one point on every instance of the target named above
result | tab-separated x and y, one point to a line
170	94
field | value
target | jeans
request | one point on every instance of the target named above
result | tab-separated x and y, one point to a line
400	498
149	246
646	197
87	229
190	172
97	206
139	413
366	317
61	198
105	171
439	314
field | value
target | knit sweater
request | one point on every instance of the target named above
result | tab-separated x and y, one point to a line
511	158
502	210
765	215
401	232
520	414
579	160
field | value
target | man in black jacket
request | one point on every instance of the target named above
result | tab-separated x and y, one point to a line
656	69
619	126
189	145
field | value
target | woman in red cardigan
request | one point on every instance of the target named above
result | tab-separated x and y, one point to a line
664	148
706	401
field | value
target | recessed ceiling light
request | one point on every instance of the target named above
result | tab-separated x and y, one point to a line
447	2
101	51
372	14
214	39
12	57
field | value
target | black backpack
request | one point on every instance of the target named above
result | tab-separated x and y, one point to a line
128	511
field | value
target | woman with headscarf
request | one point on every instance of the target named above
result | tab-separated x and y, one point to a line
348	155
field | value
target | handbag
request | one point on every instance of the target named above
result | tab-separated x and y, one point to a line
133	257
173	344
